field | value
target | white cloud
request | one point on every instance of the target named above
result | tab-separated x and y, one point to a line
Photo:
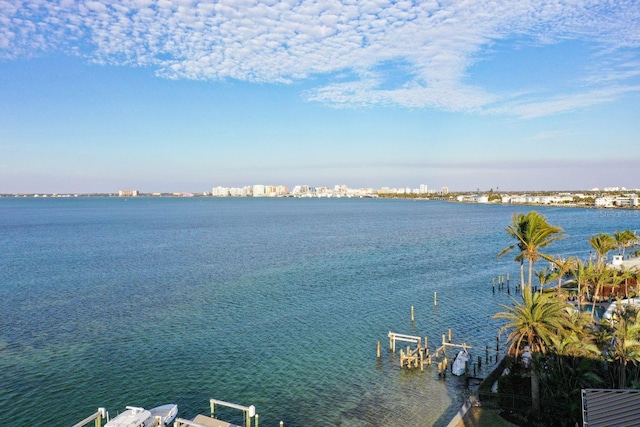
288	41
532	108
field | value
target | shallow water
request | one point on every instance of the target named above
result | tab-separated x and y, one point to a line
277	303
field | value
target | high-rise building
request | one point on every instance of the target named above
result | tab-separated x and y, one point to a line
259	190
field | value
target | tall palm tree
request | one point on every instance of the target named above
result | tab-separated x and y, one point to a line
532	232
535	322
602	243
517	230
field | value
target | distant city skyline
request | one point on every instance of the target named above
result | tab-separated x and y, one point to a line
183	95
263	190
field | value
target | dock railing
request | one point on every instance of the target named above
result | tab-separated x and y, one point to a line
97	417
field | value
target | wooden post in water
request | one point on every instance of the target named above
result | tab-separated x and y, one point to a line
444	347
479	363
497	345
412	315
281	424
449	334
486	357
435	299
378	349
256	425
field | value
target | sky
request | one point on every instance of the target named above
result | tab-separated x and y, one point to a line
183	96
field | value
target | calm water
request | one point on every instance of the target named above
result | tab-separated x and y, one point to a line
277	303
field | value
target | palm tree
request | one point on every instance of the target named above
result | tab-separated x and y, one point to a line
517	230
581	272
532	232
544	276
624	329
580	341
535	322
564	266
573	366
624	239
625	275
602	243
600	277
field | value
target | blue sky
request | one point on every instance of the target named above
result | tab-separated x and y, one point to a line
185	95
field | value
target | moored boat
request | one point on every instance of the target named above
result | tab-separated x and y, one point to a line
167	413
460	364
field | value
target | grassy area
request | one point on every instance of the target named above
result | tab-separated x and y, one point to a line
483	417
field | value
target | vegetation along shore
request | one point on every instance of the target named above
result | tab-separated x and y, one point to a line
559	341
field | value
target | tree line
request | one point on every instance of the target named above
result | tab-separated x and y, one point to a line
556	344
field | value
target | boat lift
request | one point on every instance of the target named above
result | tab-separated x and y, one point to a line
212	421
97	417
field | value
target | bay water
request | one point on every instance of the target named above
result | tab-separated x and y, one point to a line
277	303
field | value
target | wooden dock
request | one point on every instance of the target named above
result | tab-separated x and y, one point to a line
199	421
414	357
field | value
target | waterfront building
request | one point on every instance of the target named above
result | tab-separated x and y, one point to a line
220	192
259	190
128	193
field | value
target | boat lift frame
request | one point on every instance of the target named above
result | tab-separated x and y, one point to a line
98	417
249	413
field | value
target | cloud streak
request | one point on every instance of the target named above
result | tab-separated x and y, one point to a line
339	45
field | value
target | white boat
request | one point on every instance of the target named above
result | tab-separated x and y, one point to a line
167	413
140	417
459	366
